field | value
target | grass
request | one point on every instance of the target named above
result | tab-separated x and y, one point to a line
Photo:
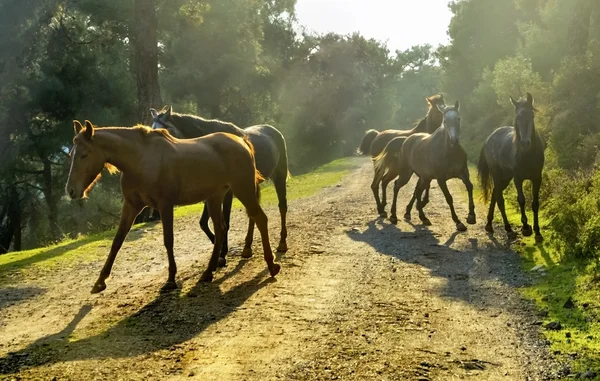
97	245
578	342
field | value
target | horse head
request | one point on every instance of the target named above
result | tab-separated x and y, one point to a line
451	121
164	119
87	161
524	121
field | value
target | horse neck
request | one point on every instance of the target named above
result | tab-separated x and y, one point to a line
121	146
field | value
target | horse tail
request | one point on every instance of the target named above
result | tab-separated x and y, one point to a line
258	177
485	180
365	144
388	157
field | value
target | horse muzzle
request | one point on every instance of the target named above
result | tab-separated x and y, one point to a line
74	194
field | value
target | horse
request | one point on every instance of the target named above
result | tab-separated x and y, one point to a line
161	171
271	162
436	156
374	142
513	153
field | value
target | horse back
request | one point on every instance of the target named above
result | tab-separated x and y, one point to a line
197	168
384	137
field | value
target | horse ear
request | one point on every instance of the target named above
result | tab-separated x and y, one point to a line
457	106
77	127
169	111
530	99
513	101
154	113
89	130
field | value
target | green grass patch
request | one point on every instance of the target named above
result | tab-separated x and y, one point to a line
566	281
97	246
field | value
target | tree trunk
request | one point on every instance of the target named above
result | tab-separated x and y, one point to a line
50	201
144	39
10	222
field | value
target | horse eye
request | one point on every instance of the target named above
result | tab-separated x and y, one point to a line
84	156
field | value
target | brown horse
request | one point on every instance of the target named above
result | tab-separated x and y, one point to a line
161	171
374	142
271	162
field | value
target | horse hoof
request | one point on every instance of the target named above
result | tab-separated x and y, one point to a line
394	220
407	216
526	231
206	276
539	238
489	228
222	262
282	248
425	222
169	286
511	235
461	227
471	220
247	252
98	287
383	214
274	269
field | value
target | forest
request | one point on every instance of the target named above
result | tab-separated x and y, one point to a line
251	62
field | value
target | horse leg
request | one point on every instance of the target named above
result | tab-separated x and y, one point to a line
526	229
426	197
280	188
489	227
498	189
214	205
375	189
247	252
411	202
129	212
166	213
444	187
402	180
535	205
422	186
471	219
227	201
204	225
389	176
255	212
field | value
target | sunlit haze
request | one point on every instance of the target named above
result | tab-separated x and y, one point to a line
402	23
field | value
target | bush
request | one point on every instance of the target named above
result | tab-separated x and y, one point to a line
574	209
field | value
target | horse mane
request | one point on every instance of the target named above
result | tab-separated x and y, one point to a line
196	126
147	132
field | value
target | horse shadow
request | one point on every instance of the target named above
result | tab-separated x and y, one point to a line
464	270
170	319
13	295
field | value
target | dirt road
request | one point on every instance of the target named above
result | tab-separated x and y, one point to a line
357	299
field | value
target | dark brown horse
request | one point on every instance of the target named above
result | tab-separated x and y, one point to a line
513	153
271	162
161	171
436	156
374	142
